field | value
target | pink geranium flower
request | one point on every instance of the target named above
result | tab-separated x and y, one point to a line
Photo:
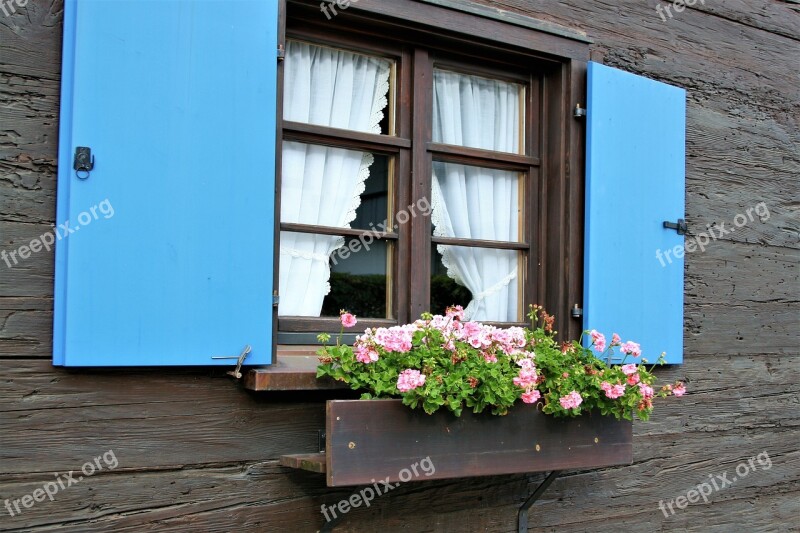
409	380
631	348
348	320
679	389
531	396
629	369
598	340
612	391
615	340
571	400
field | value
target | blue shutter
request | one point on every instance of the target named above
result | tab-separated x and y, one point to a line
634	183
177	102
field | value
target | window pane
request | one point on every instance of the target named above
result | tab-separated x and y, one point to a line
476	203
359	280
321	274
336	88
335	187
486	282
478	112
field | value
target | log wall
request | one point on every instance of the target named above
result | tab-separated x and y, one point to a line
196	451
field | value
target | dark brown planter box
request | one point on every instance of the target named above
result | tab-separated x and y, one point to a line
371	440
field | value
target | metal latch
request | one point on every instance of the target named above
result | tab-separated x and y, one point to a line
579	112
237	373
681	227
83	162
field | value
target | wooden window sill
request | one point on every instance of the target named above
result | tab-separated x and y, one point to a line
295	370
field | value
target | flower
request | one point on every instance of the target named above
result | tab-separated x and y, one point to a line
348	320
599	340
410	379
366	354
456	312
612	391
631	348
646	390
473	365
531	396
571	400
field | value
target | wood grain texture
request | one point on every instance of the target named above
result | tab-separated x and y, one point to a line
383	439
199	453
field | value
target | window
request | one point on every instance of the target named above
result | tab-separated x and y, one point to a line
413	176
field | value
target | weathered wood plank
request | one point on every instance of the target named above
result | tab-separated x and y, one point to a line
381	439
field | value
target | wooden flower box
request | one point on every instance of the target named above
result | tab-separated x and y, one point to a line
370	440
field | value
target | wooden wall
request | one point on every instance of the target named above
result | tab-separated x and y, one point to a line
195	451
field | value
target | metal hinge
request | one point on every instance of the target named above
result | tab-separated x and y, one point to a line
579	112
281	53
577	312
276	299
237	373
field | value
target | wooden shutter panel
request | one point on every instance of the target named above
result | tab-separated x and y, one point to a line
177	101
635	182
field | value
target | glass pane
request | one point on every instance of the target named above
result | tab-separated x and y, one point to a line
359	279
478	112
335	187
486	282
337	88
321	274
477	203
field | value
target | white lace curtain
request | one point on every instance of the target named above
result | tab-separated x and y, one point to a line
322	185
478	203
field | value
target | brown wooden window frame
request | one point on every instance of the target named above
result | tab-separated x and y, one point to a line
552	68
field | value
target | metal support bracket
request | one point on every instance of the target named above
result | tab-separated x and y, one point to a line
237	373
522	517
681	227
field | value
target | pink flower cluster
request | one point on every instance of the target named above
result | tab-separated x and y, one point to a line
646	390
631	348
409	380
527	378
571	400
598	340
632	371
612	391
488	339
